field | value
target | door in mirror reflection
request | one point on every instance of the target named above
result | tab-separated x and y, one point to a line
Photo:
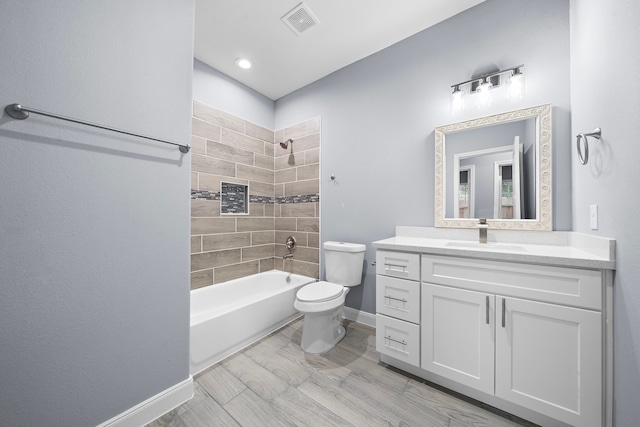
507	194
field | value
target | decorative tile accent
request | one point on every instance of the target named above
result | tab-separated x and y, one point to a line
234	199
267	200
302	198
204	194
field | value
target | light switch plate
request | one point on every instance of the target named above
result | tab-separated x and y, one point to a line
593	216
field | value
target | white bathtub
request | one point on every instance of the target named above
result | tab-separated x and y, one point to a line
229	316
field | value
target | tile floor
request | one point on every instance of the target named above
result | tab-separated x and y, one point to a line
274	383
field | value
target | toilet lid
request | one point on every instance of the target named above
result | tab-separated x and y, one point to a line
319	292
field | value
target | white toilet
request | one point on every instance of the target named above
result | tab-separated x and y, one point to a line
323	302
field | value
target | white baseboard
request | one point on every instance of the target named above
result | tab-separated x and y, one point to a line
360	316
154	407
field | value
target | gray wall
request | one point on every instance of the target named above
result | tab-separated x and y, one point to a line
379	115
604	45
213	88
94	226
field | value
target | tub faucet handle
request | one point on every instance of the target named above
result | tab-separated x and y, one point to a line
291	242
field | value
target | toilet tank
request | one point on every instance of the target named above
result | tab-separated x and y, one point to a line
343	262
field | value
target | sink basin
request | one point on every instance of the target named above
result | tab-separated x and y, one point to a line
491	246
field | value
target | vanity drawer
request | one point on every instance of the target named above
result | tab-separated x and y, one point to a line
398	298
405	265
398	339
558	285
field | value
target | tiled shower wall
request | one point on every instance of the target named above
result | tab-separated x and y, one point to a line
283	197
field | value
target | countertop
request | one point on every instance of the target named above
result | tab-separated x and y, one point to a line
549	248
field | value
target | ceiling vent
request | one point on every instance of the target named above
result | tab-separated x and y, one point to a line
300	19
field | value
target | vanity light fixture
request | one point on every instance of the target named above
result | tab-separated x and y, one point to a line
482	87
457	100
483	93
244	63
515	85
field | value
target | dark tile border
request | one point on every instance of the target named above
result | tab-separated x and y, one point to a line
302	198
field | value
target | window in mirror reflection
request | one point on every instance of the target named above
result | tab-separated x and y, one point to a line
506	191
465	191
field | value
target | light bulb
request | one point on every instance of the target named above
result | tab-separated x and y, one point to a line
244	63
515	85
483	94
457	100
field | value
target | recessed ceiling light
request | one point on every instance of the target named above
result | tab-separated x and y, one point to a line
244	63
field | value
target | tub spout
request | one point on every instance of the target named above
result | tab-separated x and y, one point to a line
287	256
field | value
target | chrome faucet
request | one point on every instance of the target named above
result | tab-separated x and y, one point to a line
483	227
291	245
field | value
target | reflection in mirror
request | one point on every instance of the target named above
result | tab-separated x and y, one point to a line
494	155
498	168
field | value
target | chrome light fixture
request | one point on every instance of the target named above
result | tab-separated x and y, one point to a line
515	85
483	93
457	100
482	87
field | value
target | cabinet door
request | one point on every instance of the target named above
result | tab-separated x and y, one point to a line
458	335
549	359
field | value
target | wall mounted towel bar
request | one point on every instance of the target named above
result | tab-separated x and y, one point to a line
21	112
584	157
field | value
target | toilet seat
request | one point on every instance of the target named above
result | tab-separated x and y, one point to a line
319	292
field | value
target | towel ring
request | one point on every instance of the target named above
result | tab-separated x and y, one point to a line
584	157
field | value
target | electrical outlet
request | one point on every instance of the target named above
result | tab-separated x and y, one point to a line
593	216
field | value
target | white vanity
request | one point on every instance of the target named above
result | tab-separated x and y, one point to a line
522	323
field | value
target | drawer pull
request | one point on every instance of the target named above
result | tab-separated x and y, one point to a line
396	299
396	267
504	308
403	342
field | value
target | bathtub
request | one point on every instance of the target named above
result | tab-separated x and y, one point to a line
229	316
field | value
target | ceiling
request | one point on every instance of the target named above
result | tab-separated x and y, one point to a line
345	32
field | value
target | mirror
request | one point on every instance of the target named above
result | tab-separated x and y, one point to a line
496	167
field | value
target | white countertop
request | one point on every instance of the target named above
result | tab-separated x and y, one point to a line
550	248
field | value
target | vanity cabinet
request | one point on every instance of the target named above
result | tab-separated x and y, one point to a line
528	334
398	305
530	338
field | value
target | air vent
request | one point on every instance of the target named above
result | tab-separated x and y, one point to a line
300	19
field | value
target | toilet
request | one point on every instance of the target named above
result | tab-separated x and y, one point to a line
322	303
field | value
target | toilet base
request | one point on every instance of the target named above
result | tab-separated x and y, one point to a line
322	331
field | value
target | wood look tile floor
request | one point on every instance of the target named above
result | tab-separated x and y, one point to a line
274	383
